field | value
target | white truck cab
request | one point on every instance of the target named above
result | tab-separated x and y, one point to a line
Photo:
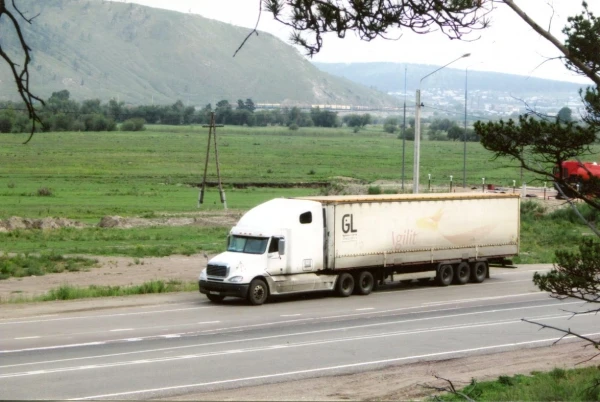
271	244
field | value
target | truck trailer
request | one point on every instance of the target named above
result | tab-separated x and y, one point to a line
351	244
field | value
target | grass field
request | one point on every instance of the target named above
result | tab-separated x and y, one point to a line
85	176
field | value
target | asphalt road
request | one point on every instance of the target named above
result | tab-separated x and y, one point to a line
169	345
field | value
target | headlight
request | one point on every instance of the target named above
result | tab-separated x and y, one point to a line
236	279
203	275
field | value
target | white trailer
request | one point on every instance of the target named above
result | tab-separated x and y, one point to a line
350	244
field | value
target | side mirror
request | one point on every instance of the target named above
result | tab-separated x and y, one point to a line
228	241
281	246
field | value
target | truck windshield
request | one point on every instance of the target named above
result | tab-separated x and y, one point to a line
250	245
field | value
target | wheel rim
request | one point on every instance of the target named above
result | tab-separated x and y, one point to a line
259	292
445	274
462	273
480	270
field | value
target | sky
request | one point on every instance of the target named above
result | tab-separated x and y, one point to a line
509	45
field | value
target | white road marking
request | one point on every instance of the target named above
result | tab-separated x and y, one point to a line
87	317
27	337
121	330
133	339
240	328
330	368
209	322
365	309
290	315
172	336
480	299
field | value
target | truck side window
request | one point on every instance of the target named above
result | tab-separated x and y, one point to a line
274	246
306	218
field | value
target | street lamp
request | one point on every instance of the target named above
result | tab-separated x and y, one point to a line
465	132
417	151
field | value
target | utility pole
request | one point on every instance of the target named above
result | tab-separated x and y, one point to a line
212	132
404	130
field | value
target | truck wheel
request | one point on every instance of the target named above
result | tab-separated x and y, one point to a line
479	272
462	273
345	285
215	298
445	274
258	292
364	283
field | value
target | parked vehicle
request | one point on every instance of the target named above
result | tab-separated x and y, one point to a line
350	244
578	176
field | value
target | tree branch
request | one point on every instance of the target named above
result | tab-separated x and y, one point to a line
547	35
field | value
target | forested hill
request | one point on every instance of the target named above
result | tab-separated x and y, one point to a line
141	55
389	77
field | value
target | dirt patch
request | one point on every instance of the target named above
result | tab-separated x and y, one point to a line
15	222
111	271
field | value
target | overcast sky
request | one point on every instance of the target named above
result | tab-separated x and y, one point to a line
508	46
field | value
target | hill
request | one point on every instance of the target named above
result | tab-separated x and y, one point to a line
141	55
389	77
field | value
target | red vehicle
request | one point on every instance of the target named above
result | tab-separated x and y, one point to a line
578	175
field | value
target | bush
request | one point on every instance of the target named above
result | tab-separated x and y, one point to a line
374	190
44	192
135	124
293	127
5	124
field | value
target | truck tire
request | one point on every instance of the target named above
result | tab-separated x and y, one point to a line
258	292
364	283
445	274
215	298
462	273
479	272
345	285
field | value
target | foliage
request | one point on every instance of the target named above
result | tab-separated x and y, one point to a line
68	292
556	385
312	19
21	265
390	125
135	124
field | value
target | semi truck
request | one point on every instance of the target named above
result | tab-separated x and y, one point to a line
352	244
581	176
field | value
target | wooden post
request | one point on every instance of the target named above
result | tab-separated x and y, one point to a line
212	132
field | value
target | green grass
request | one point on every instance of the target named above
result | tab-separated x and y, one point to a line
28	265
68	292
136	242
556	385
85	176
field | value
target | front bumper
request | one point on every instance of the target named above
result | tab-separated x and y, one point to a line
224	289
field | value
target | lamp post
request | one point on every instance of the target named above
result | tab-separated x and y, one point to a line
417	151
404	131
465	132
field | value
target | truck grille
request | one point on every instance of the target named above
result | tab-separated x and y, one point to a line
217	270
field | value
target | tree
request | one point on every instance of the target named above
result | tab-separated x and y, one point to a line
539	144
390	125
565	115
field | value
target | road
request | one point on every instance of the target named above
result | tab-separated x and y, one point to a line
171	345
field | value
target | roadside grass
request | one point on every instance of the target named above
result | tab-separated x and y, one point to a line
158	241
22	265
543	233
580	384
68	292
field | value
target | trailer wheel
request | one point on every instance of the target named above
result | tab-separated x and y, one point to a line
445	274
345	285
258	292
462	273
479	272
364	283
215	298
